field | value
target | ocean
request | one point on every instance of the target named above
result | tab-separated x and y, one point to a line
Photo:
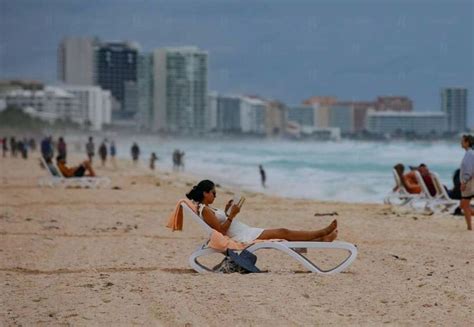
349	171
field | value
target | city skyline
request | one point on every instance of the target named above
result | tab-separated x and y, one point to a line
363	49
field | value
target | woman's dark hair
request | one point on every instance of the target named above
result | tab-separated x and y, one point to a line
197	192
400	168
469	139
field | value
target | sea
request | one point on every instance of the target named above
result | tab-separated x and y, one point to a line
348	171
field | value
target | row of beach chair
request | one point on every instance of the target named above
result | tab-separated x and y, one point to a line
440	202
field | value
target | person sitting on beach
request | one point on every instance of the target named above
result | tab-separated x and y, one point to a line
204	194
426	175
78	171
408	180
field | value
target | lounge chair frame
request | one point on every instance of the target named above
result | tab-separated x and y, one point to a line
284	246
400	197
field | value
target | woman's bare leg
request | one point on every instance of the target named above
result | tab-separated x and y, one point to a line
296	235
89	168
328	238
466	208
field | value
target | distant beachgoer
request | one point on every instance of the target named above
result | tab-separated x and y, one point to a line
467	178
22	146
4	147
77	171
153	158
426	175
408	180
103	153
62	148
113	153
263	176
32	144
204	194
13	147
47	150
175	159
180	156
135	151
90	148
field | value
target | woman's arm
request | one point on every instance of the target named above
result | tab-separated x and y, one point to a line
211	219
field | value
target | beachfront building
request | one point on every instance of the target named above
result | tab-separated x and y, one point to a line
223	113
252	115
275	118
95	105
302	115
50	103
76	60
180	89
116	71
419	123
454	105
145	91
393	103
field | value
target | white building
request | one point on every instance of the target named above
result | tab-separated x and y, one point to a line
180	89
252	115
94	103
51	102
454	104
421	123
76	60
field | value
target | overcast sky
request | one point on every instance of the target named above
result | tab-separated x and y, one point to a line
288	50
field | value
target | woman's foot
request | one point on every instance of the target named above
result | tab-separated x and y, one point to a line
331	237
332	227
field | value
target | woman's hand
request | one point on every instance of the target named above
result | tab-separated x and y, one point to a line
227	206
234	212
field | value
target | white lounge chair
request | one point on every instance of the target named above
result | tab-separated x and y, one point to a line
284	246
56	178
399	197
442	202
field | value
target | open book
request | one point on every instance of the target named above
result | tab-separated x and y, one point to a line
238	200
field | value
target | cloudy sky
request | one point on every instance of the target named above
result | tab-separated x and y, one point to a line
288	50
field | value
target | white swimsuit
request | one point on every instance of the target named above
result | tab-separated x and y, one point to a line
237	231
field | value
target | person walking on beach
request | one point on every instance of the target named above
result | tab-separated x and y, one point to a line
263	176
47	150
62	147
4	147
13	147
135	150
113	153
90	148
103	153
467	178
153	158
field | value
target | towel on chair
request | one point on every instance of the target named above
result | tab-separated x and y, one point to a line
175	220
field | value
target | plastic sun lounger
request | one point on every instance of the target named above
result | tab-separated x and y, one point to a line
400	197
56	178
284	246
442	201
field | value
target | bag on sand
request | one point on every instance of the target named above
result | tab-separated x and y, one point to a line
243	263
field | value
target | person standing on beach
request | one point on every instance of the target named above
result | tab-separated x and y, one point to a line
4	147
263	176
62	148
47	150
153	158
90	148
113	153
103	153
135	150
467	178
13	147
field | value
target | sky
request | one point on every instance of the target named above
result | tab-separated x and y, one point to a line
286	50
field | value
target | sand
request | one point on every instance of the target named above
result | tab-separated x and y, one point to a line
91	257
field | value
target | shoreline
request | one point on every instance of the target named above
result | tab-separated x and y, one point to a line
104	256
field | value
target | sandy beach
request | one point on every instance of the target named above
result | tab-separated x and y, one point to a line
90	257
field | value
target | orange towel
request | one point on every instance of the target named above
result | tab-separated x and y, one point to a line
175	220
221	242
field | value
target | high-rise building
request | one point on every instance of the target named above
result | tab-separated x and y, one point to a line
252	115
275	121
76	64
180	90
116	67
145	91
454	104
303	115
392	122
